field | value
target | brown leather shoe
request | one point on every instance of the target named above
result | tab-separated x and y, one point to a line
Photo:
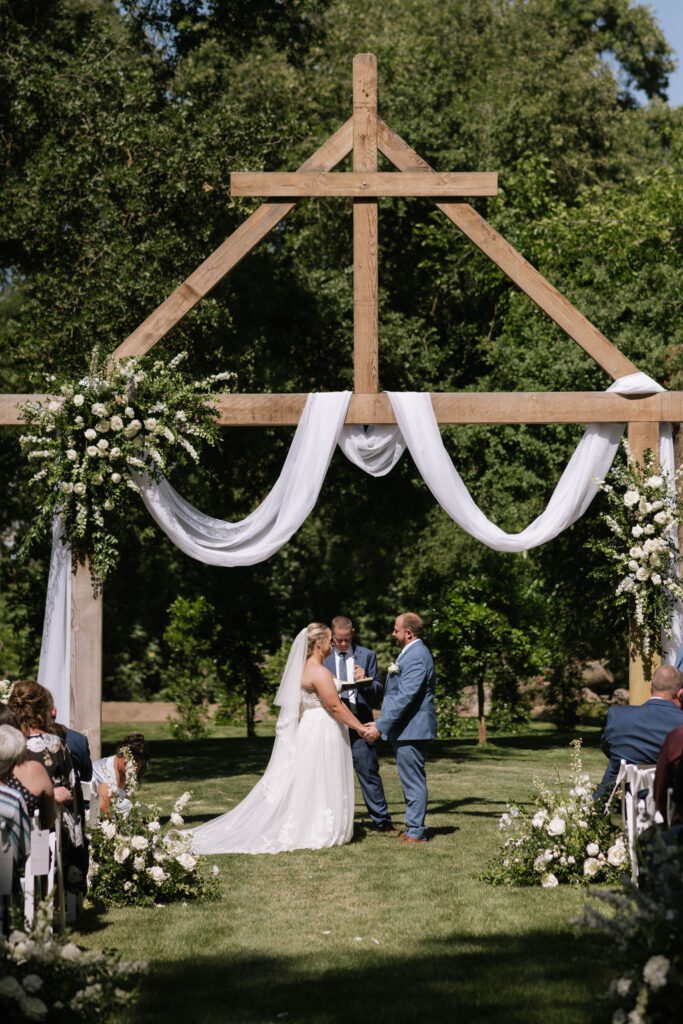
387	826
411	839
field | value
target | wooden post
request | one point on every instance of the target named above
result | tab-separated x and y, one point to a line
641	436
86	660
365	290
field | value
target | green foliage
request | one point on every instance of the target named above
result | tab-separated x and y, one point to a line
191	675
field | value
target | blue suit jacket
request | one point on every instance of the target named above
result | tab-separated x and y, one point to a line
79	748
366	697
408	707
636	733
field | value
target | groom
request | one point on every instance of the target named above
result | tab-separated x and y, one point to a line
408	719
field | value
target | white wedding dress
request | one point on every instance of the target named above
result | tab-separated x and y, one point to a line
305	799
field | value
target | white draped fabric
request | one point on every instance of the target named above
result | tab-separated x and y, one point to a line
375	449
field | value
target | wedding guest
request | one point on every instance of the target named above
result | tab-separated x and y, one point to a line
635	733
28	778
408	719
669	765
32	704
79	748
17	828
110	773
346	662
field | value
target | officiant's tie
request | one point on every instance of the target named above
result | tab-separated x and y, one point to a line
342	668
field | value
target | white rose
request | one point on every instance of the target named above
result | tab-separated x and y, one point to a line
157	874
103	443
70	952
116	423
633	566
655	971
130	412
642	574
637	531
187	861
654	481
114	453
108	505
138	863
176	819
661	518
539	863
102	426
631	498
121	854
539	819
91	450
549	881
79	488
78	399
54	406
71	455
150	424
109	829
154	826
116	478
623	986
571	860
90	434
67	488
556	826
139	842
592	849
590	867
32	983
127	886
132	428
656	579
636	552
98	409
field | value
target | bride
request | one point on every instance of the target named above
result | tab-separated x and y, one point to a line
305	799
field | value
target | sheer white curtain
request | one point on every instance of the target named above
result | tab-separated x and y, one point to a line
376	450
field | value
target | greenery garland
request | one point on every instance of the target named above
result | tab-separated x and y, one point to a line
644	514
89	439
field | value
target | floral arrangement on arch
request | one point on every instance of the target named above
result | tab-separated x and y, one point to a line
89	438
135	861
47	977
6	688
567	839
643	926
644	513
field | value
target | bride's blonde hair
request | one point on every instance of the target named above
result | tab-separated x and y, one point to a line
316	631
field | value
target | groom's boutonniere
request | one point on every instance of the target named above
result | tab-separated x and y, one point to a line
394	669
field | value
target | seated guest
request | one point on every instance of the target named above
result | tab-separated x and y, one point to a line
32	704
28	778
14	815
78	745
110	772
635	733
668	765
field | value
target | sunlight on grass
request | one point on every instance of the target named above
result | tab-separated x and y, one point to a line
371	930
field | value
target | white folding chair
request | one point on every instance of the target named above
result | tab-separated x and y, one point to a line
91	796
37	866
638	810
6	875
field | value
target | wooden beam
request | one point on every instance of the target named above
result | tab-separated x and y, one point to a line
363	183
466	407
235	247
9	408
513	264
86	660
365	286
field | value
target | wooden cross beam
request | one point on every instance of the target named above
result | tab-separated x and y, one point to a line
365	134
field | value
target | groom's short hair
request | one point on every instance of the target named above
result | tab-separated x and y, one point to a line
413	622
341	622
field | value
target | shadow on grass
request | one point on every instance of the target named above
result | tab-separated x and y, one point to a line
538	976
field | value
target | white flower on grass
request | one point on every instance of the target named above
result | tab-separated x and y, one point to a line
215	870
32	983
549	881
187	861
556	826
71	454
139	842
90	434
539	818
157	874
592	849
655	971
71	952
78	400
121	853
616	855
591	866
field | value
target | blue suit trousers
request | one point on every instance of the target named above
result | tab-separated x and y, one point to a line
367	769
410	762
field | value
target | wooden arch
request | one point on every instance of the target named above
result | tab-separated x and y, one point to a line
365	134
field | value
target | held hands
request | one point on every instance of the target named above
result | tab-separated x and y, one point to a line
371	733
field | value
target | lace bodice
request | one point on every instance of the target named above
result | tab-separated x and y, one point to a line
310	699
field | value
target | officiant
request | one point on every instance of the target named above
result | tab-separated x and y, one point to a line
349	661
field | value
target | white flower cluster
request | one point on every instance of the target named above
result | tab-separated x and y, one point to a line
6	688
567	839
644	515
42	973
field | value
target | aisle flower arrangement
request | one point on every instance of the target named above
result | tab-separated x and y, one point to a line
643	926
566	839
137	861
47	977
89	438
644	514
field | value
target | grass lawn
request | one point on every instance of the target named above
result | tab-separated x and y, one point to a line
370	931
